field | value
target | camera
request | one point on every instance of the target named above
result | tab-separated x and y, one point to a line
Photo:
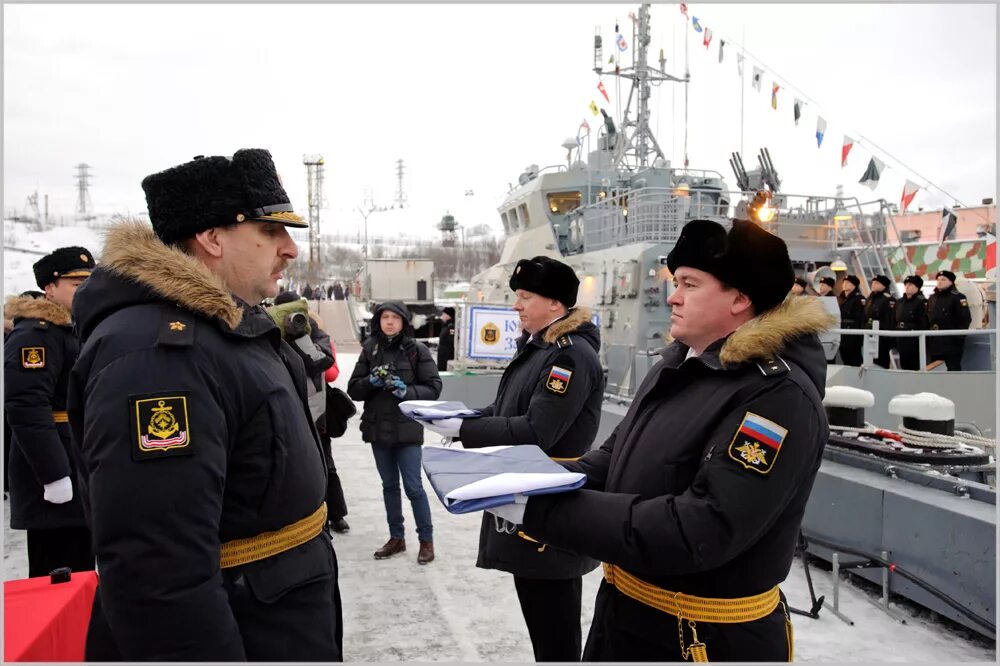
297	319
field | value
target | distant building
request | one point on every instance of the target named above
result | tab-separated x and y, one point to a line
925	226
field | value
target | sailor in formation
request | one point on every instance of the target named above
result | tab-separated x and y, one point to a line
550	395
881	307
38	356
852	316
947	310
694	502
201	471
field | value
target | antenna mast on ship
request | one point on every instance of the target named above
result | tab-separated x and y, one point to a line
638	145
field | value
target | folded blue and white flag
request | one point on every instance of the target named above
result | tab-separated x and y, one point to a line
467	480
432	410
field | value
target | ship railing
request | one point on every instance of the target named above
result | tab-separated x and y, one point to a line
826	225
871	335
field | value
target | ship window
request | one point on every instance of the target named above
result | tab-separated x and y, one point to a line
522	214
561	203
506	224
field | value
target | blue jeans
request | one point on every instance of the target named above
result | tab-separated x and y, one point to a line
405	461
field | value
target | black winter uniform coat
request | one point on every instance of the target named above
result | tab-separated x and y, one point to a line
534	406
680	497
38	356
852	315
947	310
191	427
911	315
381	421
446	344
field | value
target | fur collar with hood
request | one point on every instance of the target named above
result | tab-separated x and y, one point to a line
27	307
132	251
770	333
571	322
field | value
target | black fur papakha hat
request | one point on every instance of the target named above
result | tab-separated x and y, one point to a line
546	277
746	257
916	280
853	279
828	281
883	280
801	282
64	262
217	191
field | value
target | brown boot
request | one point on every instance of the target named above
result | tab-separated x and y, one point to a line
392	547
426	553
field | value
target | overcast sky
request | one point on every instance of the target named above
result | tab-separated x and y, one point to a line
468	95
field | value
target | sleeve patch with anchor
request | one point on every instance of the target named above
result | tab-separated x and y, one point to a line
757	443
33	358
161	426
558	379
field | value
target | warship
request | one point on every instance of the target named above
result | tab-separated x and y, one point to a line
905	502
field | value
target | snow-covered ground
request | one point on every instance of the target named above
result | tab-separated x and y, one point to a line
396	610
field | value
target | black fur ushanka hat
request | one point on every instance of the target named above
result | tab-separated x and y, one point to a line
546	277
217	191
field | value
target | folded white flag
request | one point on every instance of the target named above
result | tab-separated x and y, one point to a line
430	410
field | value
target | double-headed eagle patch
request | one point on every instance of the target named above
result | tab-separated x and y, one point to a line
558	379
757	443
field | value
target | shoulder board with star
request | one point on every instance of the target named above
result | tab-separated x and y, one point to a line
772	367
176	328
42	325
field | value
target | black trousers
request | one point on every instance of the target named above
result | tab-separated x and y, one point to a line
909	353
551	609
952	359
56	547
850	350
883	358
336	504
627	630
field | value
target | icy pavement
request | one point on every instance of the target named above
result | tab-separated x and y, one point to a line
397	610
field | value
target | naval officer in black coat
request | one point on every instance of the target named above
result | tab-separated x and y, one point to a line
694	502
550	395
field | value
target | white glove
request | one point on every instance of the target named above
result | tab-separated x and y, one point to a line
59	492
445	427
513	513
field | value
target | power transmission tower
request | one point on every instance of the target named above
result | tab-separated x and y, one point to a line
400	194
314	174
83	203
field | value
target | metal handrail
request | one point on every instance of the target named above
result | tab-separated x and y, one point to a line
920	334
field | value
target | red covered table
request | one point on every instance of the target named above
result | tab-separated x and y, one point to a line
46	622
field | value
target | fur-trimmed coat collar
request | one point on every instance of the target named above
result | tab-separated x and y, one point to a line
767	335
132	251
571	322
27	307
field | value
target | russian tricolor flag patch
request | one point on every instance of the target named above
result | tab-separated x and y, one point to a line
757	443
558	379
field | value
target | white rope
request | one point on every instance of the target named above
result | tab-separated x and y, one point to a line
930	440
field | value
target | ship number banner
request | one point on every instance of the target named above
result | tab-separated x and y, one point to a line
492	333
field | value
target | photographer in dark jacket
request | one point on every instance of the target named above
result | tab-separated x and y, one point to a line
911	315
881	307
201	471
38	356
694	502
312	344
391	368
550	395
852	315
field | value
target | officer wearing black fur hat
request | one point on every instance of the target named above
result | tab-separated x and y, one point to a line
799	287
446	338
202	475
911	315
694	502
881	307
38	356
826	285
550	395
947	309
852	315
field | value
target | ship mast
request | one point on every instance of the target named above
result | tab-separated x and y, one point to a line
637	145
